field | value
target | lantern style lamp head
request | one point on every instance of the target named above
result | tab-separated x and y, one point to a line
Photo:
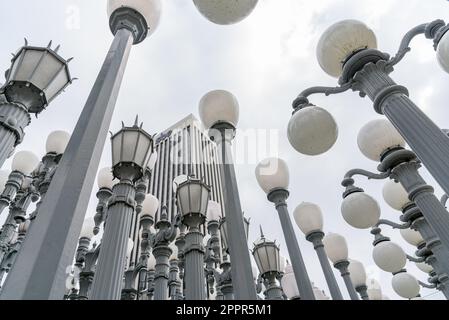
360	210
225	12
141	17
309	218
357	273
213	211
374	290
193	198
24	162
443	52
340	41
413	237
395	195
131	151
4	175
105	179
219	107
272	174
87	230
377	137
312	130
288	283
266	253
336	247
37	75
389	256
57	142
405	285
150	206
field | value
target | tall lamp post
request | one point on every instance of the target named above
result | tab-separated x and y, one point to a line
273	177
219	111
131	151
309	219
131	21
192	198
337	251
358	277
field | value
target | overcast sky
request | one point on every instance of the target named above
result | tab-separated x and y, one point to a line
266	60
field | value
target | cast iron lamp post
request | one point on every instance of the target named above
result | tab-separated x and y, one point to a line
347	50
105	181
337	251
266	255
131	21
358	277
219	111
36	76
131	151
273	177
192	198
309	219
225	12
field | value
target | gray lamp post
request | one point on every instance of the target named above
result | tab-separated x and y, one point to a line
150	277
266	255
337	251
86	276
309	219
192	198
358	277
131	150
347	50
105	184
273	177
162	252
219	112
174	282
130	22
36	76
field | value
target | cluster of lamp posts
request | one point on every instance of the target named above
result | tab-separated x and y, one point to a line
175	260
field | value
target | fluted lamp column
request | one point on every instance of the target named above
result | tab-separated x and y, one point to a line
337	251
192	198
273	177
309	219
131	151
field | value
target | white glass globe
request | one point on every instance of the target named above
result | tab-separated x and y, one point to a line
336	247
374	290
150	206
443	52
105	179
57	141
389	256
405	285
360	210
312	131
225	12
25	162
213	211
413	237
424	267
149	9
87	230
357	273
376	137
308	217
177	181
272	173
395	195
288	283
219	105
340	41
174	253
4	175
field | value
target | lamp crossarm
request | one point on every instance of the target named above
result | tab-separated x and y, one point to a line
394	225
370	175
415	259
302	98
404	47
426	285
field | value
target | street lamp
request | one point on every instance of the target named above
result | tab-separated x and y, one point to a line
131	151
358	277
389	256
405	285
67	198
225	12
219	111
105	182
36	76
267	257
353	201
192	198
309	219
273	177
337	251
